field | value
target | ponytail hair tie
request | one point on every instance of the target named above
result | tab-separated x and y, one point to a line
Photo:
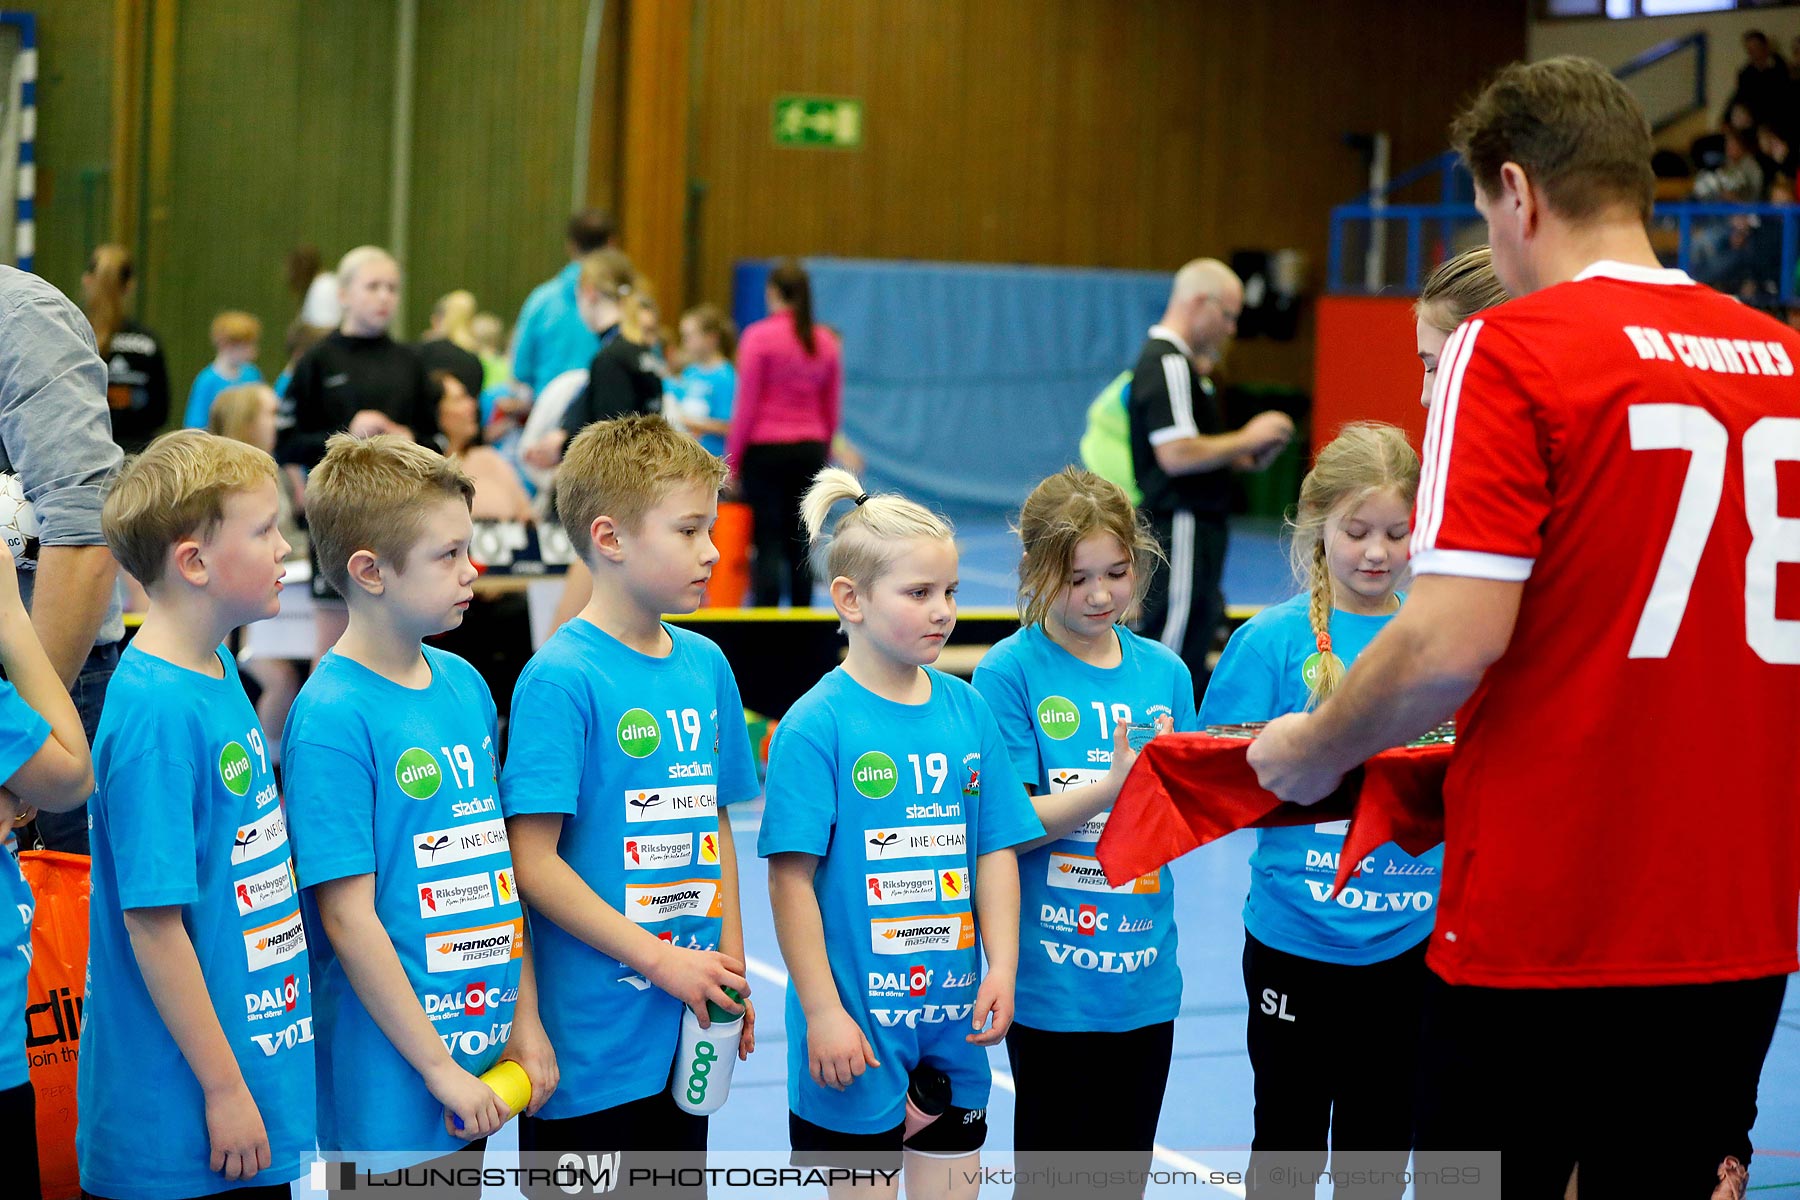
862	499
1324	641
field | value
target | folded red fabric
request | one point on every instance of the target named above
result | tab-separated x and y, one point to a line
1188	789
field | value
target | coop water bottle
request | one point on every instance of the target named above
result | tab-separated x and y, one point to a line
703	1065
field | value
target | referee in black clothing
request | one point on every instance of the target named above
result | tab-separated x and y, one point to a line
1181	452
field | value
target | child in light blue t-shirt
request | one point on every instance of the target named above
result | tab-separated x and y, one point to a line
196	1068
1099	984
236	337
423	976
707	386
892	809
1328	976
627	744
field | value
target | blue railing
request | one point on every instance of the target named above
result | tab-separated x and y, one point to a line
1696	42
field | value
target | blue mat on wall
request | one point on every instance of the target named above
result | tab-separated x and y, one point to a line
966	384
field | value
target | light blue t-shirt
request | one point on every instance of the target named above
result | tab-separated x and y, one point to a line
1091	957
1387	909
708	392
22	734
550	336
187	813
898	801
207	386
637	753
402	784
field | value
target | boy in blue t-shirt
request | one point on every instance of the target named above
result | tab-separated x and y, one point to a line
391	750
627	739
44	764
235	337
196	1070
707	386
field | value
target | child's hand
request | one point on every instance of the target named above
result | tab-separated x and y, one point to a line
464	1096
697	976
1123	756
747	1040
995	996
234	1127
837	1050
529	1046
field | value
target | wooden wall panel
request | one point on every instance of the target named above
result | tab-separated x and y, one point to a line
1086	132
654	155
75	78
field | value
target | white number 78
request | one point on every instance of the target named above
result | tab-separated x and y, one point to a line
1774	539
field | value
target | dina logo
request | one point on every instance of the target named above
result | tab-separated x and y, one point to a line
1058	718
234	769
431	845
638	733
417	774
874	775
881	841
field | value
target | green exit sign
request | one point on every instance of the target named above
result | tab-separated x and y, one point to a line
818	121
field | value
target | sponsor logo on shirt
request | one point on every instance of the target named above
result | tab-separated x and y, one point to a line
1723	356
267	796
671	804
900	887
647	903
1106	962
1064	778
473	1043
1372	902
925	1014
911	935
933	811
418	775
709	849
475	1000
464	948
971	775
1327	862
275	942
953	883
503	887
1058	718
914	981
1090	830
874	774
435	847
651	851
1083	873
263	835
473	808
296	1033
234	769
269	887
273	1002
444	897
1084	919
638	733
918	842
1142	925
699	770
966	979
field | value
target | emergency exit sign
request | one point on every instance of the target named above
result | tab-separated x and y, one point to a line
828	121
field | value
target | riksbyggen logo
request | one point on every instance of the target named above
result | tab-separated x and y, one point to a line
465	893
1083	873
648	903
899	887
655	851
1058	718
417	774
913	935
265	889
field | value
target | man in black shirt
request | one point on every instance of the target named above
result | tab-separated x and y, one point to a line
1181	452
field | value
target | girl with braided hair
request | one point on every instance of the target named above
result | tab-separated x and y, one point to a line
1335	983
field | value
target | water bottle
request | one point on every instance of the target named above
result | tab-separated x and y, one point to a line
510	1083
703	1064
927	1097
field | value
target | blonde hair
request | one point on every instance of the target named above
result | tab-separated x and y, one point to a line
373	494
110	268
489	332
1062	512
235	326
235	409
175	490
632	310
1458	289
608	272
867	538
1364	458
355	260
624	467
454	314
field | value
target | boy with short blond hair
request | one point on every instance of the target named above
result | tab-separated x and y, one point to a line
627	738
236	337
196	1069
391	752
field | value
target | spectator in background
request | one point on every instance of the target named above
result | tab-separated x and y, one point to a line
550	336
358	378
1182	456
1740	179
448	345
55	436
1763	86
236	338
489	332
707	384
315	289
137	375
247	413
788	407
301	337
499	496
1720	247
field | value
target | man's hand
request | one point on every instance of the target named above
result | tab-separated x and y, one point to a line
1287	766
1267	433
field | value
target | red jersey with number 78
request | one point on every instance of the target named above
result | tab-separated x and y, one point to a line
1623	808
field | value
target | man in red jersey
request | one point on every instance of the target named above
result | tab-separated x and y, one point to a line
1611	494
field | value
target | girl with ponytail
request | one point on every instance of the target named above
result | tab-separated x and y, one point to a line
1324	973
890	816
137	374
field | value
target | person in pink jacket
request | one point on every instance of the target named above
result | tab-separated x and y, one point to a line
789	400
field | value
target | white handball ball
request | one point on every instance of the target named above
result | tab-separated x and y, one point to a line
18	522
